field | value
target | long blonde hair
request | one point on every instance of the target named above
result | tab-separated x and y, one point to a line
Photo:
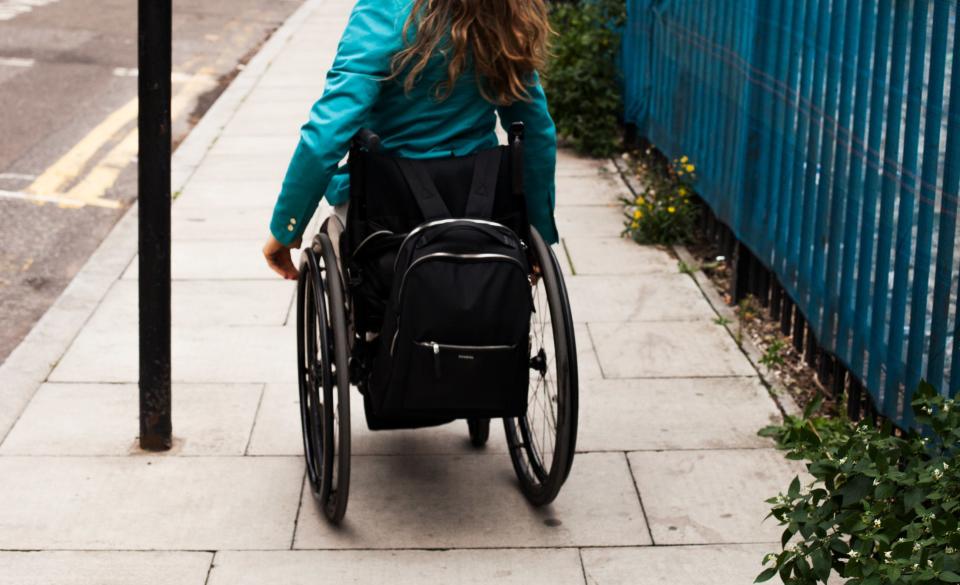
505	41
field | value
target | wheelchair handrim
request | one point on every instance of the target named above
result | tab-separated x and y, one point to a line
542	442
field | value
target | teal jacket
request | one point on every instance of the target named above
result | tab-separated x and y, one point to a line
414	125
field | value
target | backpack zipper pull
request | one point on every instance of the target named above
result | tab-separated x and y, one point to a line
436	358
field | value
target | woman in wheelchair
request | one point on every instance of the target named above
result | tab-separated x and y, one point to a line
435	291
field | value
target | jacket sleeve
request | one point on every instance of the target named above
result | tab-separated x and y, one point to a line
372	36
539	158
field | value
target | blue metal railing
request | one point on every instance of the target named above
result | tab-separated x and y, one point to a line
827	137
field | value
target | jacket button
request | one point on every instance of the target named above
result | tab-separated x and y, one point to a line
289	228
293	221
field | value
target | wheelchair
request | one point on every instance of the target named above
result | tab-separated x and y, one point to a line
340	314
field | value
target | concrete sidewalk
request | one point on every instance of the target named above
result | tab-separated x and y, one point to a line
668	485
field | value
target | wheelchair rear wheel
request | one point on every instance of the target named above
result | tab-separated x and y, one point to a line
543	442
324	377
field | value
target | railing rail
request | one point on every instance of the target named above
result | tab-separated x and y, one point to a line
827	138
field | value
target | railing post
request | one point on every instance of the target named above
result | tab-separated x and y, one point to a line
741	273
854	398
786	314
154	51
776	296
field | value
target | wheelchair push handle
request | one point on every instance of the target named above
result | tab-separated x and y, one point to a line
515	137
367	139
516	133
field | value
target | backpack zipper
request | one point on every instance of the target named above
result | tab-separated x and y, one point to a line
437	222
451	255
435	347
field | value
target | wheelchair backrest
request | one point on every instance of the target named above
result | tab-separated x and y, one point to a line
381	197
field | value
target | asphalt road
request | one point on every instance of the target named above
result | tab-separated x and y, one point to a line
67	126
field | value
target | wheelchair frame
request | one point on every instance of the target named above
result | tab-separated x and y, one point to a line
541	444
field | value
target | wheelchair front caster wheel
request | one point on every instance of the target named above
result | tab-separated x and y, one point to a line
479	431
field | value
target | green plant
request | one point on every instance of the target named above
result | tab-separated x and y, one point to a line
582	80
883	509
665	211
773	355
748	308
685	268
722	321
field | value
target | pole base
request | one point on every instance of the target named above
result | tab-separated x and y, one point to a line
155	443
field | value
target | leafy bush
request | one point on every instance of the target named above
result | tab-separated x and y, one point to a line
582	80
664	213
883	509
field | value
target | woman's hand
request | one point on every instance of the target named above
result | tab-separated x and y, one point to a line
279	259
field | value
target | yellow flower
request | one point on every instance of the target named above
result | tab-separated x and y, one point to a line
639	200
682	191
690	168
684	159
671	209
634	225
637	214
680	173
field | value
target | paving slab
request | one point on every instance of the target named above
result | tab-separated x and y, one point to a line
214	260
673	565
410	567
617	256
273	146
260	193
282	97
589	221
104	568
266	119
589	190
677	349
254	165
148	503
101	419
673	413
313	65
220	223
202	303
712	496
277	431
225	354
588	362
291	78
569	163
474	502
648	297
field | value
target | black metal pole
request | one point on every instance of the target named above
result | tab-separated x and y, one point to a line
155	46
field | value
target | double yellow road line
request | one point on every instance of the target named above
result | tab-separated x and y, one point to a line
65	184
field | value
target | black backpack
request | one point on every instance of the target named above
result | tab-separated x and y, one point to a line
454	338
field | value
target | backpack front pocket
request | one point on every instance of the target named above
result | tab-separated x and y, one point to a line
451	377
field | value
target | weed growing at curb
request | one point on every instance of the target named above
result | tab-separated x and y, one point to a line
665	212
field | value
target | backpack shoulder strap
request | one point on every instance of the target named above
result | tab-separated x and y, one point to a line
424	190
483	187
